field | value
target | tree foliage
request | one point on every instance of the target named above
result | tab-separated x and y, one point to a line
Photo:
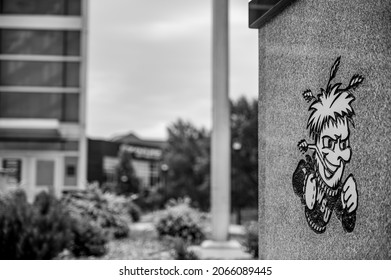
244	159
127	181
187	156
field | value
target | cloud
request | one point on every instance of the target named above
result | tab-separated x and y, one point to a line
150	63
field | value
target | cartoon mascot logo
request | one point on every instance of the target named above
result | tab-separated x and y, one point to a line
317	180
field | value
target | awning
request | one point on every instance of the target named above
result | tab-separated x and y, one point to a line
261	11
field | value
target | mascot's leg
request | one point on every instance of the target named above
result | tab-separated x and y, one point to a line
298	180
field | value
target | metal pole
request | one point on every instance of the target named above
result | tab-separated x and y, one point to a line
221	159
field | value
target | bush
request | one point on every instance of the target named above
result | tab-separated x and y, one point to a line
89	239
134	211
106	211
180	250
123	205
180	220
251	239
44	229
38	231
151	200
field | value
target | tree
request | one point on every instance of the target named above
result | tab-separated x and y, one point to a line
187	157
244	155
127	181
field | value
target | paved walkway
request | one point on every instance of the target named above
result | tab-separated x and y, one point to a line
231	250
142	226
234	230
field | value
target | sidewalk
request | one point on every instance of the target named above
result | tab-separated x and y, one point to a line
235	231
231	250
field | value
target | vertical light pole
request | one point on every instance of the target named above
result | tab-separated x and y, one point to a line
220	247
221	138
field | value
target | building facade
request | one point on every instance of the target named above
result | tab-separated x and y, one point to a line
145	156
43	94
324	128
102	161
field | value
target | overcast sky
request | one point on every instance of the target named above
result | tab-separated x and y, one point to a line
149	63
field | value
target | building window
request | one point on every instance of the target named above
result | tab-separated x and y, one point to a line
154	173
141	168
13	169
41	7
45	173
40	42
70	176
41	74
110	165
70	108
70	171
64	107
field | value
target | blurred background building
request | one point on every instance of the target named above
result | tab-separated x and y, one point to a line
42	94
145	156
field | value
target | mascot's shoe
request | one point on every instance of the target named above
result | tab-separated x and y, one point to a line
298	179
315	220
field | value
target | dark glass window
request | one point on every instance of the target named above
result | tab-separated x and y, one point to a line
41	7
37	73
70	170
72	42
70	176
70	108
43	42
72	75
30	105
64	107
13	168
154	174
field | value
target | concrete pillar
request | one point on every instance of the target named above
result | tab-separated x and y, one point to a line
221	159
220	247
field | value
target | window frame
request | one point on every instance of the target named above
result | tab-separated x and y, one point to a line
67	9
64	38
64	115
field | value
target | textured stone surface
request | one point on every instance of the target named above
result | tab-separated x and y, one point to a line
296	51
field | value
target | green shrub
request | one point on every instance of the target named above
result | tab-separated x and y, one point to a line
151	200
38	231
134	211
123	205
15	217
251	239
45	229
181	251
89	239
104	210
180	220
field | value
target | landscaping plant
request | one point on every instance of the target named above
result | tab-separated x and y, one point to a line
88	240
33	232
101	209
251	239
180	250
181	220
